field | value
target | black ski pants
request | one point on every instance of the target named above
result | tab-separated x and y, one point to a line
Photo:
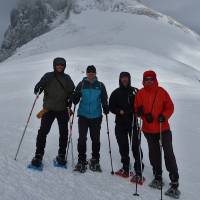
155	154
94	126
123	135
46	123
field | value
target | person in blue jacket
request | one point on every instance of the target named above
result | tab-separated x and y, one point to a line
93	97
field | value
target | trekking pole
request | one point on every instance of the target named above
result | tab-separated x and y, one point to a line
20	143
131	142
70	132
131	146
110	152
72	153
71	141
140	156
161	157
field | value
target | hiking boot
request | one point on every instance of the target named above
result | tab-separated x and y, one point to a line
137	179
81	167
173	191
61	160
157	183
94	165
37	160
122	173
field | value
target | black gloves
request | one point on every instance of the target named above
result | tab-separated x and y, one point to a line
38	89
149	117
69	102
76	97
106	110
70	112
161	118
140	111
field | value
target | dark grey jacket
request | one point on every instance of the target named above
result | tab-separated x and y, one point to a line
58	89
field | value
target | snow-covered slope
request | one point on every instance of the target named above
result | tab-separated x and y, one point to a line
114	42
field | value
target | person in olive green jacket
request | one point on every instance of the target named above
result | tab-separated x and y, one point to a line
58	89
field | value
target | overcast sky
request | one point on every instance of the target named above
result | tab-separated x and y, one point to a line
185	11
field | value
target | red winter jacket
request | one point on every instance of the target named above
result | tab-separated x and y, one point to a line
155	100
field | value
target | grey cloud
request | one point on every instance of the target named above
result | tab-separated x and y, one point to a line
185	11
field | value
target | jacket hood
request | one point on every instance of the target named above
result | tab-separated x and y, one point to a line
153	75
58	61
124	74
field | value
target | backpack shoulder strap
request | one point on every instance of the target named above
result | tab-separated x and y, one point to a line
61	85
82	85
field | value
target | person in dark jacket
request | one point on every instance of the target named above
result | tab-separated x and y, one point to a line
120	104
93	97
58	89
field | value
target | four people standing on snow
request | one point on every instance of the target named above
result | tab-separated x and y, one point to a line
152	105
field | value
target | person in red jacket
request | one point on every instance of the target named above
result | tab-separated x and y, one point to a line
154	105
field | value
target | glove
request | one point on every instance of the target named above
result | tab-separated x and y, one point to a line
70	112
106	110
140	111
69	102
38	90
161	118
149	118
76	98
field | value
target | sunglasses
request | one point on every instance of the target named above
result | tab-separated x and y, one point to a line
148	79
60	64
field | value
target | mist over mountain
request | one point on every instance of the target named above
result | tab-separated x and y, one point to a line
31	19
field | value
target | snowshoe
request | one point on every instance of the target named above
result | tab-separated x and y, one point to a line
60	161
81	167
37	168
156	184
36	163
137	179
173	191
122	173
94	165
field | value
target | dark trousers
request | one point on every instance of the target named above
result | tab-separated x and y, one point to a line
94	125
155	154
123	134
46	123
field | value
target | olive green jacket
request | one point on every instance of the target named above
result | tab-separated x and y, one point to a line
58	89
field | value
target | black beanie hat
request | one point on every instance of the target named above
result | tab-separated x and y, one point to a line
59	61
91	68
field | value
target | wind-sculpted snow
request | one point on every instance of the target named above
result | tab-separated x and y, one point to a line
18	77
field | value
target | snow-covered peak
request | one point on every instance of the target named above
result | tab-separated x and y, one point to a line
127	6
27	25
